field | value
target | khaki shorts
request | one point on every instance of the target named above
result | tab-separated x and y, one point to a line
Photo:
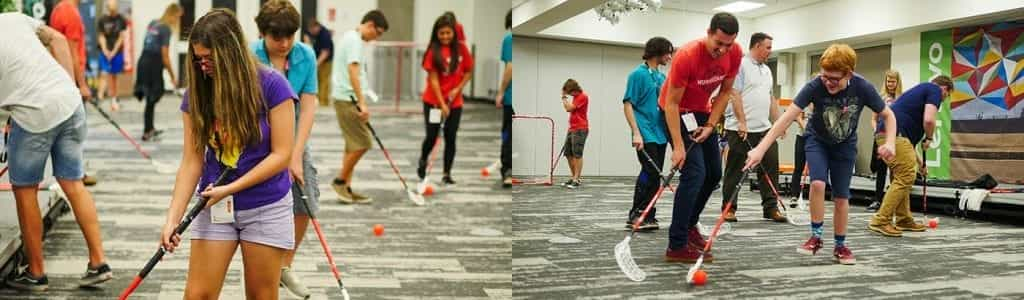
356	134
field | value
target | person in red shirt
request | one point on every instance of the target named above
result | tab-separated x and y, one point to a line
578	129
698	69
66	20
449	65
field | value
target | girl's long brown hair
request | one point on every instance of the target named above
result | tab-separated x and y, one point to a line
232	95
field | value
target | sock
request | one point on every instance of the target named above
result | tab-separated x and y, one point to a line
840	241
338	181
816	229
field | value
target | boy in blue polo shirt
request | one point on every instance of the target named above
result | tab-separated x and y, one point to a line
278	21
647	123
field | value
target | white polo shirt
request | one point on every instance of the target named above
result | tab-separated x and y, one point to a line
754	82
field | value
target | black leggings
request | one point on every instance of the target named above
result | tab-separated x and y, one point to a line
506	140
151	96
451	127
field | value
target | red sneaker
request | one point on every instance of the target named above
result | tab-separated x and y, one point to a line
695	239
810	247
843	255
685	255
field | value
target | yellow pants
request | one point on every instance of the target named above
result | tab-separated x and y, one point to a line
903	169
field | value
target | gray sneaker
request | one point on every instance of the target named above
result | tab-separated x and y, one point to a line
94	276
343	192
359	198
293	284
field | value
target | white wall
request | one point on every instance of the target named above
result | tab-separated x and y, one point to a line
426	12
844	19
489	30
634	29
348	13
541	67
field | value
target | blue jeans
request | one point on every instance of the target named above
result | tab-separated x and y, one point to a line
700	174
28	151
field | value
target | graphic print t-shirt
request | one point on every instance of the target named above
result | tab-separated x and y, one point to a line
835	117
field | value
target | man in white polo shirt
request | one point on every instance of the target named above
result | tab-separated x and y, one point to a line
747	118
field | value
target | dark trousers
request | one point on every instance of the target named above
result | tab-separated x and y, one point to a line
798	165
506	140
451	127
152	97
700	174
734	169
880	169
648	181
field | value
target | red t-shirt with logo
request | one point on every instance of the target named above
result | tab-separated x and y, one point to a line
447	79
578	117
66	20
693	68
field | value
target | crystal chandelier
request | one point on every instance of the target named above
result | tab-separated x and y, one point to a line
613	9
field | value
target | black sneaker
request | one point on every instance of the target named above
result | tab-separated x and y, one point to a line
650	224
573	184
421	170
567	183
26	282
94	276
874	206
447	180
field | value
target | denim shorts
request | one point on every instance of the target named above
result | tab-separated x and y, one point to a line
827	161
28	151
272	225
310	189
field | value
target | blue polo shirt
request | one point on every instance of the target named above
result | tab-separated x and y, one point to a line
642	90
506	57
300	70
909	110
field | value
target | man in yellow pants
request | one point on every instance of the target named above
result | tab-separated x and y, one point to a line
915	113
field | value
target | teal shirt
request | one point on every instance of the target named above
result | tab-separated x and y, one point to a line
506	57
347	51
642	89
300	70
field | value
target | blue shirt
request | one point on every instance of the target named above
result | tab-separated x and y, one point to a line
642	89
322	41
909	110
506	57
300	69
835	117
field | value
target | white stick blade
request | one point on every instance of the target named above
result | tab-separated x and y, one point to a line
624	257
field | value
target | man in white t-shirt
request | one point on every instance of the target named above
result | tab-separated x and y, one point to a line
747	118
47	120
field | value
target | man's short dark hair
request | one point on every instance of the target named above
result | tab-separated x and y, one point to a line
278	18
657	46
943	80
508	19
725	22
757	38
377	18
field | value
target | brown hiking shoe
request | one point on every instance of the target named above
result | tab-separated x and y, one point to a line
886	230
775	215
912	226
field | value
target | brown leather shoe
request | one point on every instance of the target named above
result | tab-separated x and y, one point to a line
775	215
89	180
886	230
912	226
730	216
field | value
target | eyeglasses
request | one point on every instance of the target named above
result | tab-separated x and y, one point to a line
832	80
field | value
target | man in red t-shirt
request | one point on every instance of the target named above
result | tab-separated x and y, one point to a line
578	129
698	69
66	20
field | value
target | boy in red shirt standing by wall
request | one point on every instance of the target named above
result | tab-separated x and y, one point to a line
578	129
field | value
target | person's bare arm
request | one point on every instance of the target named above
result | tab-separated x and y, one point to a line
166	56
103	45
741	115
357	88
323	57
307	112
58	46
506	79
118	42
75	60
673	96
627	109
